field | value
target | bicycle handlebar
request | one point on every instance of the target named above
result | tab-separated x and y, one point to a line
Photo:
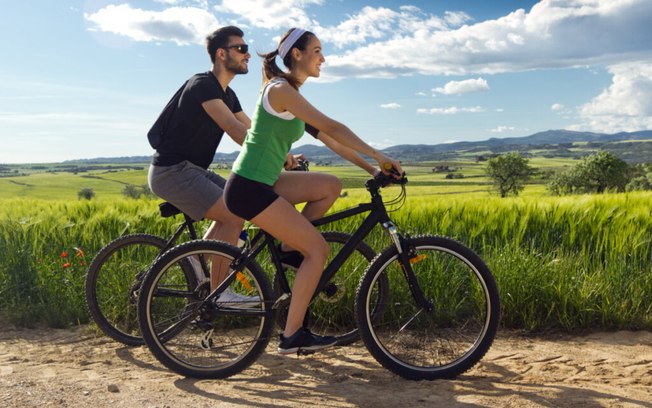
383	180
302	165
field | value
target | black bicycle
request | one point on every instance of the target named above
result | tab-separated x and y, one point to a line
427	307
114	275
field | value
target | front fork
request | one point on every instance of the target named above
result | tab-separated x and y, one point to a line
405	255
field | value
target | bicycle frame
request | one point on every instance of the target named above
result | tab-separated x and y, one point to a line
377	215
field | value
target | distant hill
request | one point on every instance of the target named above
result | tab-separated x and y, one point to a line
553	143
633	147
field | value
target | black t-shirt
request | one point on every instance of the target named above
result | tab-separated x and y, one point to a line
191	133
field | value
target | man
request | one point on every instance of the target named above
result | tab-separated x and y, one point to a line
186	137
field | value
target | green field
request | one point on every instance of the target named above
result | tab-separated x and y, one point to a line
109	184
566	263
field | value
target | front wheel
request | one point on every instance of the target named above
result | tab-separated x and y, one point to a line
444	337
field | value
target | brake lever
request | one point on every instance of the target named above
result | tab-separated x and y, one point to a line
387	180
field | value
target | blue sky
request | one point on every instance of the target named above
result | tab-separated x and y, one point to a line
85	79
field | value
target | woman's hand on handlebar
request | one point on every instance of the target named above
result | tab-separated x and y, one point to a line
390	166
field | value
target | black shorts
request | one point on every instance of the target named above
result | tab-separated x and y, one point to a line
247	198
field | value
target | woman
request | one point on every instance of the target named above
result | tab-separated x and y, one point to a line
258	191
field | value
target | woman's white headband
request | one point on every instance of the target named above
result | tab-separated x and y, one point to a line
289	41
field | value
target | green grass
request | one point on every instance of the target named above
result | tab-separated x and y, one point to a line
566	263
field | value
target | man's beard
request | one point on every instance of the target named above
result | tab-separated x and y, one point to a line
236	67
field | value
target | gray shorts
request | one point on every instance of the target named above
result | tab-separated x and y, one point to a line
188	187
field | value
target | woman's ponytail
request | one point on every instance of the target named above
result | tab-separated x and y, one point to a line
270	69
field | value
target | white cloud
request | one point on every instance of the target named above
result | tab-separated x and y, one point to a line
182	25
556	107
381	23
626	105
370	23
465	86
554	33
453	110
382	42
391	105
271	14
502	129
382	144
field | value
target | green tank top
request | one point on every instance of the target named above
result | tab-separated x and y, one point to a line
266	145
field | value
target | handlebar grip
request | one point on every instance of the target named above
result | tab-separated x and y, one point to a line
388	167
385	180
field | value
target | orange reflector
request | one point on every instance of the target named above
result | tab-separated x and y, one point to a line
244	281
417	258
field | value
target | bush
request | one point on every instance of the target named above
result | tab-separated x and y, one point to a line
597	173
132	191
86	193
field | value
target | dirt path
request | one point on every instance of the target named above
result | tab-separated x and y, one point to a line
77	368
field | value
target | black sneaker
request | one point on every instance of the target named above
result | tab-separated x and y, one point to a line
290	259
303	340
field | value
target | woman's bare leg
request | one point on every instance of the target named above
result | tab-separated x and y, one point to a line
285	223
318	190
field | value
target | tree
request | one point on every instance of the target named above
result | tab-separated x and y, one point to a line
641	177
509	172
132	191
602	171
596	173
86	193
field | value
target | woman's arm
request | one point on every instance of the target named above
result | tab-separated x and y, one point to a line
283	97
347	153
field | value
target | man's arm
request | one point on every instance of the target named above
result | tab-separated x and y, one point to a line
235	125
244	119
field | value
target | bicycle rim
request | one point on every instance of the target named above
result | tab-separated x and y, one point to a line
203	341
112	283
445	341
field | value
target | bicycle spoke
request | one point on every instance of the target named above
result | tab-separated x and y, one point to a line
198	336
439	341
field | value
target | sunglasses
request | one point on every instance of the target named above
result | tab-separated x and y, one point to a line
241	48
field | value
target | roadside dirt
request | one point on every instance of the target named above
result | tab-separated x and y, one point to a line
78	368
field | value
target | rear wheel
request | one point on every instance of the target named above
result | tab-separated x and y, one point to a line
113	281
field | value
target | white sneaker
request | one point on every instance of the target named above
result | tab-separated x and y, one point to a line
229	298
